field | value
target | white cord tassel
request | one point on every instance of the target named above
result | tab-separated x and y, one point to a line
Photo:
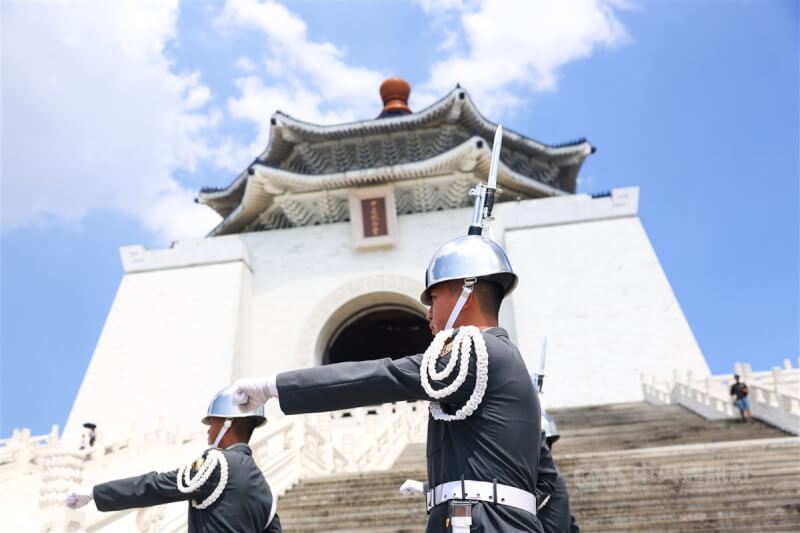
461	352
186	484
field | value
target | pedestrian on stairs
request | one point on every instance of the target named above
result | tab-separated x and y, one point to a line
225	487
740	393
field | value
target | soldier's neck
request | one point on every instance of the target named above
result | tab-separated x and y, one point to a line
228	442
479	321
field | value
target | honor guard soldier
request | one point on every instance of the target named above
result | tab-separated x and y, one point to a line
551	490
553	497
225	487
484	427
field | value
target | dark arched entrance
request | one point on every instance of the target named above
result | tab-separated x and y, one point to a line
382	331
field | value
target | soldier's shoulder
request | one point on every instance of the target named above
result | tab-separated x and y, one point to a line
238	454
497	341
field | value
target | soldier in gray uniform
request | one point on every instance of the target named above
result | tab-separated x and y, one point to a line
551	491
554	511
225	487
483	420
484	410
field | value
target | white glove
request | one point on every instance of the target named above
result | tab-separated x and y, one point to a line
249	394
412	487
79	496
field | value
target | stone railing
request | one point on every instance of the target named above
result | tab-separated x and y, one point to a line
24	452
20	451
356	440
774	394
288	450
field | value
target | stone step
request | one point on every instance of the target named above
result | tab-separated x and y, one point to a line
638	425
343	501
753	513
366	517
689	501
736	524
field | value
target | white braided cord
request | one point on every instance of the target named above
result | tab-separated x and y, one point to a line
461	352
188	484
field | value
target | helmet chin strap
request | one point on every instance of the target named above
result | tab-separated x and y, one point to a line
224	429
466	290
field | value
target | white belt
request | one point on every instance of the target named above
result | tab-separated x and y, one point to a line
485	491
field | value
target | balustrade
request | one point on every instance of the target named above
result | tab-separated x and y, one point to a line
774	394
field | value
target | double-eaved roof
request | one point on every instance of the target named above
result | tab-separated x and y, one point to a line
433	157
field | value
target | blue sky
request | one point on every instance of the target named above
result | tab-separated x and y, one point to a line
117	115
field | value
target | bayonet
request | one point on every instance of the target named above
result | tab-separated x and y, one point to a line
484	194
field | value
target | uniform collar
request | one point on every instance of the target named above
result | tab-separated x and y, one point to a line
240	447
497	332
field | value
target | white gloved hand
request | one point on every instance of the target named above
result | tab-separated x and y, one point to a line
77	497
412	487
249	394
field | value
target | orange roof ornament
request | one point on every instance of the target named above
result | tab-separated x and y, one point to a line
394	93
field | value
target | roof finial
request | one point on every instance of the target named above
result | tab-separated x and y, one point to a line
394	93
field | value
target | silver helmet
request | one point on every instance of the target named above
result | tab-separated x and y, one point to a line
222	406
471	256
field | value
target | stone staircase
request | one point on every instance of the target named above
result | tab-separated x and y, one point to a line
640	425
737	486
630	467
366	503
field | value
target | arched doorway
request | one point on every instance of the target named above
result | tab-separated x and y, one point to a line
379	331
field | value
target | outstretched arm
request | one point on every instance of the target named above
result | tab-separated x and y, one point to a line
348	385
153	488
149	489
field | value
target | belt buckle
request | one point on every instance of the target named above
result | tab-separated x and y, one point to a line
429	499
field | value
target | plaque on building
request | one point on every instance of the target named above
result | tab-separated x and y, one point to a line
373	216
373	212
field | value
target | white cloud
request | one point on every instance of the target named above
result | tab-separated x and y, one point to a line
500	50
246	64
95	115
518	46
313	81
95	118
440	6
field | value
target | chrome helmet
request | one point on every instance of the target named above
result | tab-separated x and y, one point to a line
222	406
470	256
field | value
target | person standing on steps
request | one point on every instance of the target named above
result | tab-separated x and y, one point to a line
740	395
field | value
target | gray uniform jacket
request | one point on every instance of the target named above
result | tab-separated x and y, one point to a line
243	506
555	516
493	443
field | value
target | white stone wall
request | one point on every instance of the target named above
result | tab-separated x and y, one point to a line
597	291
210	310
169	341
